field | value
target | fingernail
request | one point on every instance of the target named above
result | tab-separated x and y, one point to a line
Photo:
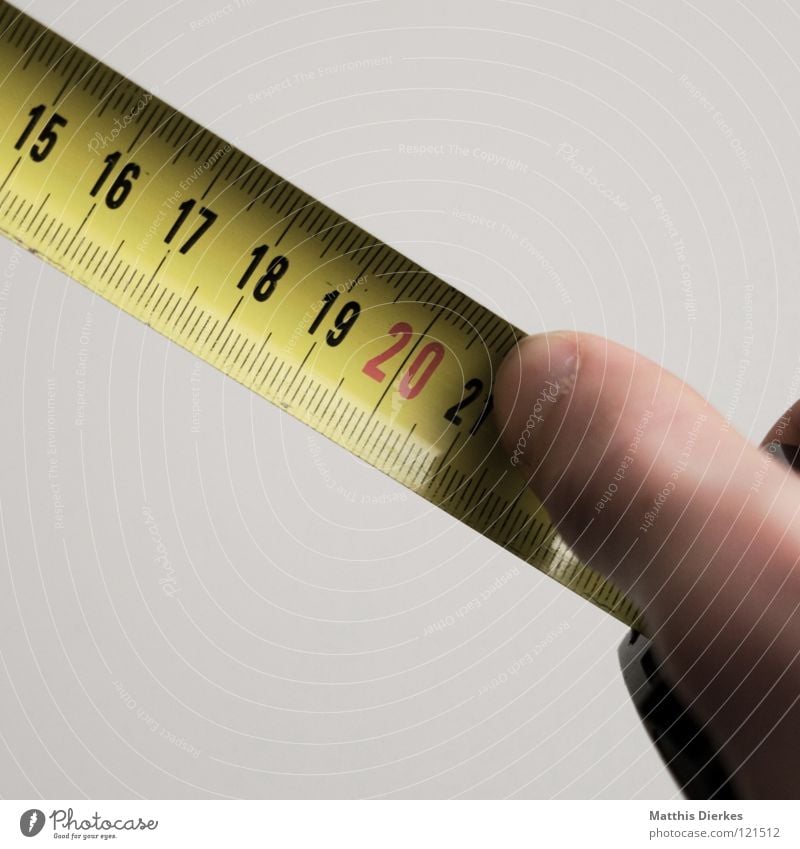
532	382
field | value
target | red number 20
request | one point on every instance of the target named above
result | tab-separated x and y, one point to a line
421	369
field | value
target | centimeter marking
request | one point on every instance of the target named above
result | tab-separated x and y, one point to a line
176	227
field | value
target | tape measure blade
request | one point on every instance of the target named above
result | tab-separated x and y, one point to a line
181	230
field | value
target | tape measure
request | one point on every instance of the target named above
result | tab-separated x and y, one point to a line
222	256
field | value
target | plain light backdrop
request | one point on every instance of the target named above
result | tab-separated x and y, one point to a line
648	194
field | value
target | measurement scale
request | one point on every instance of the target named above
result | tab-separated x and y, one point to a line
181	230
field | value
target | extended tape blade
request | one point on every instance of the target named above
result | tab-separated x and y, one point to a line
219	254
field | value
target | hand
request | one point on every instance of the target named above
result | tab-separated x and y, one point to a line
654	489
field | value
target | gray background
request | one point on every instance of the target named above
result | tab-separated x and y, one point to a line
288	656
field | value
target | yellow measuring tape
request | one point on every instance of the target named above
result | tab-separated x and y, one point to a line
219	254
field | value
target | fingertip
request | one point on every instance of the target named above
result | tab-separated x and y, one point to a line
541	366
599	431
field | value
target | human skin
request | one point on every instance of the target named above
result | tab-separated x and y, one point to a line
715	566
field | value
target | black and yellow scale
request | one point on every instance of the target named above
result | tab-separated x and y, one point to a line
219	254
